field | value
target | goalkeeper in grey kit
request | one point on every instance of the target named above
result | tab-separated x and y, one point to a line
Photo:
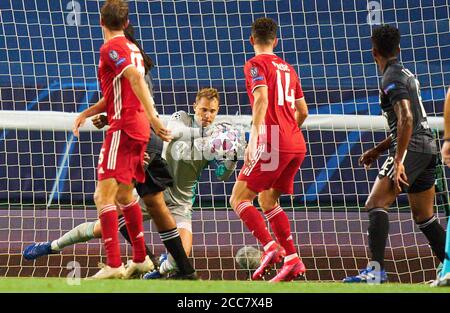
187	155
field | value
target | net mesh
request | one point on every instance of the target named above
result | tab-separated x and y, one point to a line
48	59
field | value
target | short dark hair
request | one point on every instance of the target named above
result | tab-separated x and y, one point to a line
114	14
386	39
264	30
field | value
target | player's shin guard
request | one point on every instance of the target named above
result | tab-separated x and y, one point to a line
435	235
132	214
378	233
172	241
254	222
123	230
279	223
110	236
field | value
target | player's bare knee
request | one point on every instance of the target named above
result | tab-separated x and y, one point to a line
124	198
420	217
372	204
234	201
265	202
97	229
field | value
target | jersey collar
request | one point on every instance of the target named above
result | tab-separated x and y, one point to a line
389	63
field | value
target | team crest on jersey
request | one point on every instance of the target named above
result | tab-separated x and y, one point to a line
254	71
389	87
113	55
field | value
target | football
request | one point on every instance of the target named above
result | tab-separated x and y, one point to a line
224	139
248	258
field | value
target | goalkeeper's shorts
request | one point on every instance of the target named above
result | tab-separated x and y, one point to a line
277	172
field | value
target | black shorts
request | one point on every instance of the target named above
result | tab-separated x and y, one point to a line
157	176
420	170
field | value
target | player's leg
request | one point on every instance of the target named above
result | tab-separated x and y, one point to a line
422	209
81	233
132	214
124	232
289	165
381	197
104	197
183	221
242	203
171	236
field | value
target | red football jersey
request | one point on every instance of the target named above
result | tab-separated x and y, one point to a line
284	88
124	109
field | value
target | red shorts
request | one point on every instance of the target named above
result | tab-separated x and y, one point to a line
277	171
121	157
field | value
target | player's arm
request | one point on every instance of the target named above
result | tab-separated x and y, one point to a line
371	155
260	104
301	112
180	131
224	169
97	108
141	91
446	146
402	109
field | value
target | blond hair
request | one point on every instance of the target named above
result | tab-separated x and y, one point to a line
208	93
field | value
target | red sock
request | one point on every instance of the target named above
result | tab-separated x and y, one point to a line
110	228
132	214
280	226
254	221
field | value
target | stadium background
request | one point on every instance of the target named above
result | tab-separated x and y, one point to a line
46	64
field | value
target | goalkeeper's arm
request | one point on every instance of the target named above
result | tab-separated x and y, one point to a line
225	169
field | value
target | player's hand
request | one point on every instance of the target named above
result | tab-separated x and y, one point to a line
79	121
100	121
161	131
445	152
399	176
146	159
368	157
250	152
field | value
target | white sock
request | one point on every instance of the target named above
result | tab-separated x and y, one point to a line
54	245
168	265
290	257
267	246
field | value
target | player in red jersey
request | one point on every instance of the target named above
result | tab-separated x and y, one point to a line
129	107
275	151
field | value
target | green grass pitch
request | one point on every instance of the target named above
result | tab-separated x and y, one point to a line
167	286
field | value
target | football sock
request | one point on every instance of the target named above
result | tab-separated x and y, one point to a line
81	233
254	222
132	214
123	230
108	220
378	233
172	241
168	265
279	223
435	235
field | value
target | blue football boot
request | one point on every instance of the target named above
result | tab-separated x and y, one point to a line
368	276
37	250
156	274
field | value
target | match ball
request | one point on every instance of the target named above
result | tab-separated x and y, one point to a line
248	258
223	140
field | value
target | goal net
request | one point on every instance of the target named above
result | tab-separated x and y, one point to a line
48	60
